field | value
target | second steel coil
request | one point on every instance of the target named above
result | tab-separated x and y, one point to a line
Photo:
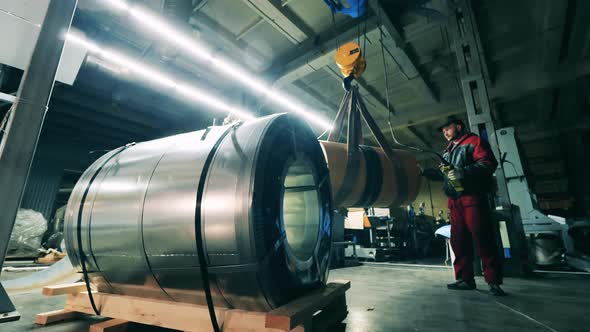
377	182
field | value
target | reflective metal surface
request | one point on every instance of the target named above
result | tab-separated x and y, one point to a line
264	215
301	209
377	182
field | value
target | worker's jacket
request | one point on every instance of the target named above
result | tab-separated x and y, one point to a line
474	156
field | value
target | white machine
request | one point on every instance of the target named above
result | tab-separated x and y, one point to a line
534	222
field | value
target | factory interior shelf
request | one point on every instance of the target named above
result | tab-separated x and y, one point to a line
317	311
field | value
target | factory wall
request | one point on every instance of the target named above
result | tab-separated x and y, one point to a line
47	170
42	186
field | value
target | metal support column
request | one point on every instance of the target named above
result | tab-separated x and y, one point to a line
24	126
472	69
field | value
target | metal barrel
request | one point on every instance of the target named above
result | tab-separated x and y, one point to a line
377	183
257	193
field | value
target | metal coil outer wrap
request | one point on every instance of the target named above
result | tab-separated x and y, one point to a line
377	182
259	193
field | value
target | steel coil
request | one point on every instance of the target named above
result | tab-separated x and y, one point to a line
258	194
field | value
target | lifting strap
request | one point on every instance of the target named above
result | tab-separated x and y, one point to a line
353	105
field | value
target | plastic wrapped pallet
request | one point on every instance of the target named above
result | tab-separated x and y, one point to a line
28	231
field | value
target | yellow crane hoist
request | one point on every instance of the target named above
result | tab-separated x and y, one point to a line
351	61
352	64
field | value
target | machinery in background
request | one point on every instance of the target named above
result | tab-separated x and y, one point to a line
553	240
370	235
374	235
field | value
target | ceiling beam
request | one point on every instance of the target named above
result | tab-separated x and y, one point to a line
76	136
583	124
546	104
256	23
421	113
567	112
579	43
328	107
58	110
528	79
249	29
321	48
551	17
418	137
238	50
73	128
199	4
316	53
586	89
328	104
273	13
368	93
408	116
395	46
106	108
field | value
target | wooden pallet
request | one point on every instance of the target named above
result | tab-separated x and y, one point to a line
316	311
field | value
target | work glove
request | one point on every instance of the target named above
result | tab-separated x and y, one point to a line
456	174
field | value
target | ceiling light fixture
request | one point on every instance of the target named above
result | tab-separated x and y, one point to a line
155	76
159	26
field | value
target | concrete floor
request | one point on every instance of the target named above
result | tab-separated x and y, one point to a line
384	298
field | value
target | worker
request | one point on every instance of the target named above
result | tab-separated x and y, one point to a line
468	180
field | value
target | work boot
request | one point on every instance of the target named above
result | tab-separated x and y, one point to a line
461	284
496	290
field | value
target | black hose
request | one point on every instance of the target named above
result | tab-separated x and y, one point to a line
389	109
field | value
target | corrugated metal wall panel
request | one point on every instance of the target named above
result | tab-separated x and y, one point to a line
42	186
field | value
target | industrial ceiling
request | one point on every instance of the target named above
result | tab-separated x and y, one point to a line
537	65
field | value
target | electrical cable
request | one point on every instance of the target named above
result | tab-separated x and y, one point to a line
447	39
365	34
504	161
388	104
358	26
335	31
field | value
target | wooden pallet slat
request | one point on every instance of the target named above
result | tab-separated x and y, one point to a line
111	325
289	316
62	289
330	316
55	316
174	315
320	308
